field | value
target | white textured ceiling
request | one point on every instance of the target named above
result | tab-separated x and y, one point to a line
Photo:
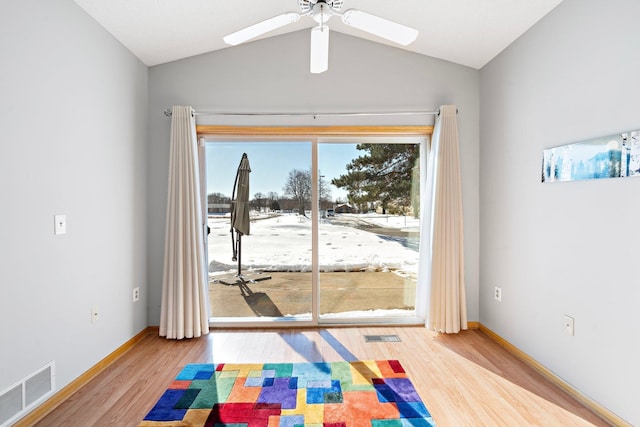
467	32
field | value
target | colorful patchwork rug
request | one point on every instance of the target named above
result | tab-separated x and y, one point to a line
328	394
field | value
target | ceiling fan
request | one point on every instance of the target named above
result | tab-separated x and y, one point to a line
321	11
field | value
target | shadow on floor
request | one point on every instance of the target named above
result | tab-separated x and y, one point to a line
259	302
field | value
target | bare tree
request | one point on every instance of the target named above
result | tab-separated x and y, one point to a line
259	201
298	186
218	198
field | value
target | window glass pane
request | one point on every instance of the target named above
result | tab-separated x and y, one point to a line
274	276
368	229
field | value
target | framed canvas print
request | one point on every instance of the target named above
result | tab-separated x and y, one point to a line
612	156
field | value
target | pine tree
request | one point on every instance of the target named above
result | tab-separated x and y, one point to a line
382	175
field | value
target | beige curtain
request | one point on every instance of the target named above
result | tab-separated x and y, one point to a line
184	312
447	301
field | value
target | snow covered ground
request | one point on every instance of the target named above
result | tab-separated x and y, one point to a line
283	243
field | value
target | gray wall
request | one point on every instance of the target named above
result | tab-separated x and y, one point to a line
273	75
73	117
564	248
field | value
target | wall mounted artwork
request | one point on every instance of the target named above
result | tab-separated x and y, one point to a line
613	156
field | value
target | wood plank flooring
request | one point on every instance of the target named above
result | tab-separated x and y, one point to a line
464	380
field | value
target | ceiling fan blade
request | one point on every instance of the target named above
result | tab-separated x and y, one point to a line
319	49
261	28
380	27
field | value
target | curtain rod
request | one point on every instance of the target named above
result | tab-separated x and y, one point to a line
169	113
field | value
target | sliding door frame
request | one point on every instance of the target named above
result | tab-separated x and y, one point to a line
312	134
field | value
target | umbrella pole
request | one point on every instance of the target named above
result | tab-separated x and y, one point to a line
233	246
239	254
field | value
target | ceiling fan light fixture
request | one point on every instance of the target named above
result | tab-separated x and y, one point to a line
261	28
321	13
381	27
319	49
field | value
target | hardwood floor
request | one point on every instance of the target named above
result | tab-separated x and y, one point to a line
464	380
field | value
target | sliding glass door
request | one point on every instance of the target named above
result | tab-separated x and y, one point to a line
368	242
333	230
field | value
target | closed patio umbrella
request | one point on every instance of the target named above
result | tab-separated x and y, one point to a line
240	208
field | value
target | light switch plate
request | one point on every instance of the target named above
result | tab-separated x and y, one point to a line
60	224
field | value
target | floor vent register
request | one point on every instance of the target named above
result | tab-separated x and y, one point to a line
382	338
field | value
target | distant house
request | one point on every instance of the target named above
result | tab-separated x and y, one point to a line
219	208
344	208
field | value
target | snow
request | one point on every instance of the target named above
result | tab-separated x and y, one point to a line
283	243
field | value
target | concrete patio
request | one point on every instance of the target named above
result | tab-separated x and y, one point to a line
287	294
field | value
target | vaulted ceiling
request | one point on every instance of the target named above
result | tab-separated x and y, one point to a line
467	32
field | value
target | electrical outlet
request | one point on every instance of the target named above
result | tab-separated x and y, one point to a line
569	325
136	294
95	313
497	294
